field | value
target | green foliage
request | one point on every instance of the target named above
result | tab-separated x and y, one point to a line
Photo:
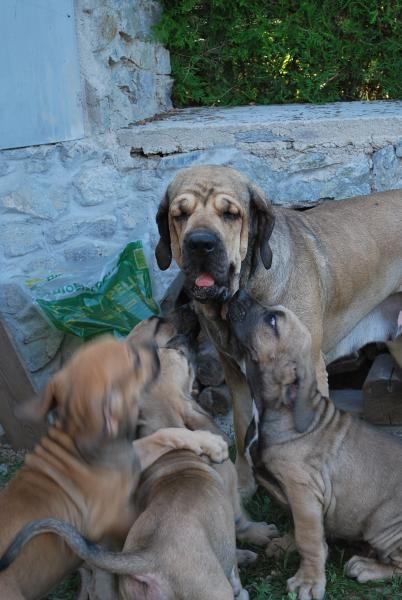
260	51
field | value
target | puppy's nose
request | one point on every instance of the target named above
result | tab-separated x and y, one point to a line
243	296
201	241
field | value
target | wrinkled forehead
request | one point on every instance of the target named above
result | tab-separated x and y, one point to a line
204	182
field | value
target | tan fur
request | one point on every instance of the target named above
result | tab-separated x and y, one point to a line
340	477
332	265
95	395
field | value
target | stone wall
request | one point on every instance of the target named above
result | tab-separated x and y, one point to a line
125	74
80	202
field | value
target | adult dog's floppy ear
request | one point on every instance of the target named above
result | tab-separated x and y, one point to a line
301	395
163	251
263	220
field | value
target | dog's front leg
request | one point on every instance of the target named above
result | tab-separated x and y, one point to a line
152	447
309	581
242	413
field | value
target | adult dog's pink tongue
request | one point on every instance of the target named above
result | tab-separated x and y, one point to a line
204	280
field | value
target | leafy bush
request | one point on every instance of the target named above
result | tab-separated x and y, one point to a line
272	51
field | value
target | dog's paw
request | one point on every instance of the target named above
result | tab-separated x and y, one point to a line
306	586
245	557
259	534
214	446
367	569
279	546
242	595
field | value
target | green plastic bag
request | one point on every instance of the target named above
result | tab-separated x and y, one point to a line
115	304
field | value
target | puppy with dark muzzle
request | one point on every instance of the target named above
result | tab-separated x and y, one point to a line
339	476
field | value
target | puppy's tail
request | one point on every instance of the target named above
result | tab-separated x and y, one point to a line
121	563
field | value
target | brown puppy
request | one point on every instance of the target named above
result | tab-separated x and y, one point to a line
338	266
86	468
341	475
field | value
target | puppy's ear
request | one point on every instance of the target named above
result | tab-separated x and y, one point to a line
263	221
37	408
301	394
163	251
146	363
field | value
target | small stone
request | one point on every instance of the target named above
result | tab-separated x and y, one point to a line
102	227
387	169
13	298
18	239
98	185
215	400
29	202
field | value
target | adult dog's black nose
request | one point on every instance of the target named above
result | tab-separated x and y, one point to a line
201	241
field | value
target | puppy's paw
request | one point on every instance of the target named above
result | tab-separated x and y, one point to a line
307	586
259	534
245	557
367	569
214	446
279	546
242	595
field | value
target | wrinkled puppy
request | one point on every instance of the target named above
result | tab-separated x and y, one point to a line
341	475
86	468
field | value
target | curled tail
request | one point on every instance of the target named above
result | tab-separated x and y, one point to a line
121	563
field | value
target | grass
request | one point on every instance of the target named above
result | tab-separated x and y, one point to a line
265	579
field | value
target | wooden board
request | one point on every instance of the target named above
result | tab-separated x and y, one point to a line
382	392
15	388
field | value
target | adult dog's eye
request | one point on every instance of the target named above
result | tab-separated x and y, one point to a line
270	319
229	216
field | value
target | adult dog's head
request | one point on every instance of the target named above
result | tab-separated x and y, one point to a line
277	350
210	220
95	395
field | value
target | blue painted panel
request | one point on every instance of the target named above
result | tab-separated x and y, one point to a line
40	91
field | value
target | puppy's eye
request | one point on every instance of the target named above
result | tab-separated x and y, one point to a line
229	216
181	217
270	319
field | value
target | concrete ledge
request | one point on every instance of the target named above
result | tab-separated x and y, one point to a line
361	124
